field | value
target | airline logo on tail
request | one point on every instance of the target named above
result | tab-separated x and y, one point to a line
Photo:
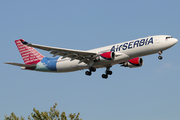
33	57
29	54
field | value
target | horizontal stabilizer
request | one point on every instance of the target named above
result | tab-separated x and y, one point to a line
21	65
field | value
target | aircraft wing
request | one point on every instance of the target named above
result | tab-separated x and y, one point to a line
83	56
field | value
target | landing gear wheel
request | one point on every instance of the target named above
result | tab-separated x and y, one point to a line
88	73
91	69
160	57
109	72
104	76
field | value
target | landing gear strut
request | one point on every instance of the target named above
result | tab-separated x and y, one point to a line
108	72
160	57
91	69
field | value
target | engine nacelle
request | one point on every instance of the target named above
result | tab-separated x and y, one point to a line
106	56
135	62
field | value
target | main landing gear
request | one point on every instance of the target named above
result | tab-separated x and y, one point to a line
160	57
105	76
108	72
91	69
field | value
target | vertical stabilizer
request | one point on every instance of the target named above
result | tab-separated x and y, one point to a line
29	54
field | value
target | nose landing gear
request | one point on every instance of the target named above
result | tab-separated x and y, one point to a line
160	57
108	72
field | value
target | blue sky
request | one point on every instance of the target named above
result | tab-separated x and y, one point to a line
150	92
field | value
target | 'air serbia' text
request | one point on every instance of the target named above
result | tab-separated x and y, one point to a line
132	44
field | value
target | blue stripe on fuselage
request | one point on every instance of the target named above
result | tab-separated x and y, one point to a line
50	63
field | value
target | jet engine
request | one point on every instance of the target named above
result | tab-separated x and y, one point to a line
106	56
132	63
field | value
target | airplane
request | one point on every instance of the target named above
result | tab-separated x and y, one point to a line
126	54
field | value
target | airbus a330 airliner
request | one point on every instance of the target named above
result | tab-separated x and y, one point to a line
127	54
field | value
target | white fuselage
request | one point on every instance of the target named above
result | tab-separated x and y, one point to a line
123	52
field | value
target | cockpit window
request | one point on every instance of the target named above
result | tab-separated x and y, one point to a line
169	37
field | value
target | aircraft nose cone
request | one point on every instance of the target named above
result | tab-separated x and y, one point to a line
175	41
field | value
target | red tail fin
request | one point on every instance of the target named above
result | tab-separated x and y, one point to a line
29	54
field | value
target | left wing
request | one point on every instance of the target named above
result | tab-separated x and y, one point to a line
83	56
